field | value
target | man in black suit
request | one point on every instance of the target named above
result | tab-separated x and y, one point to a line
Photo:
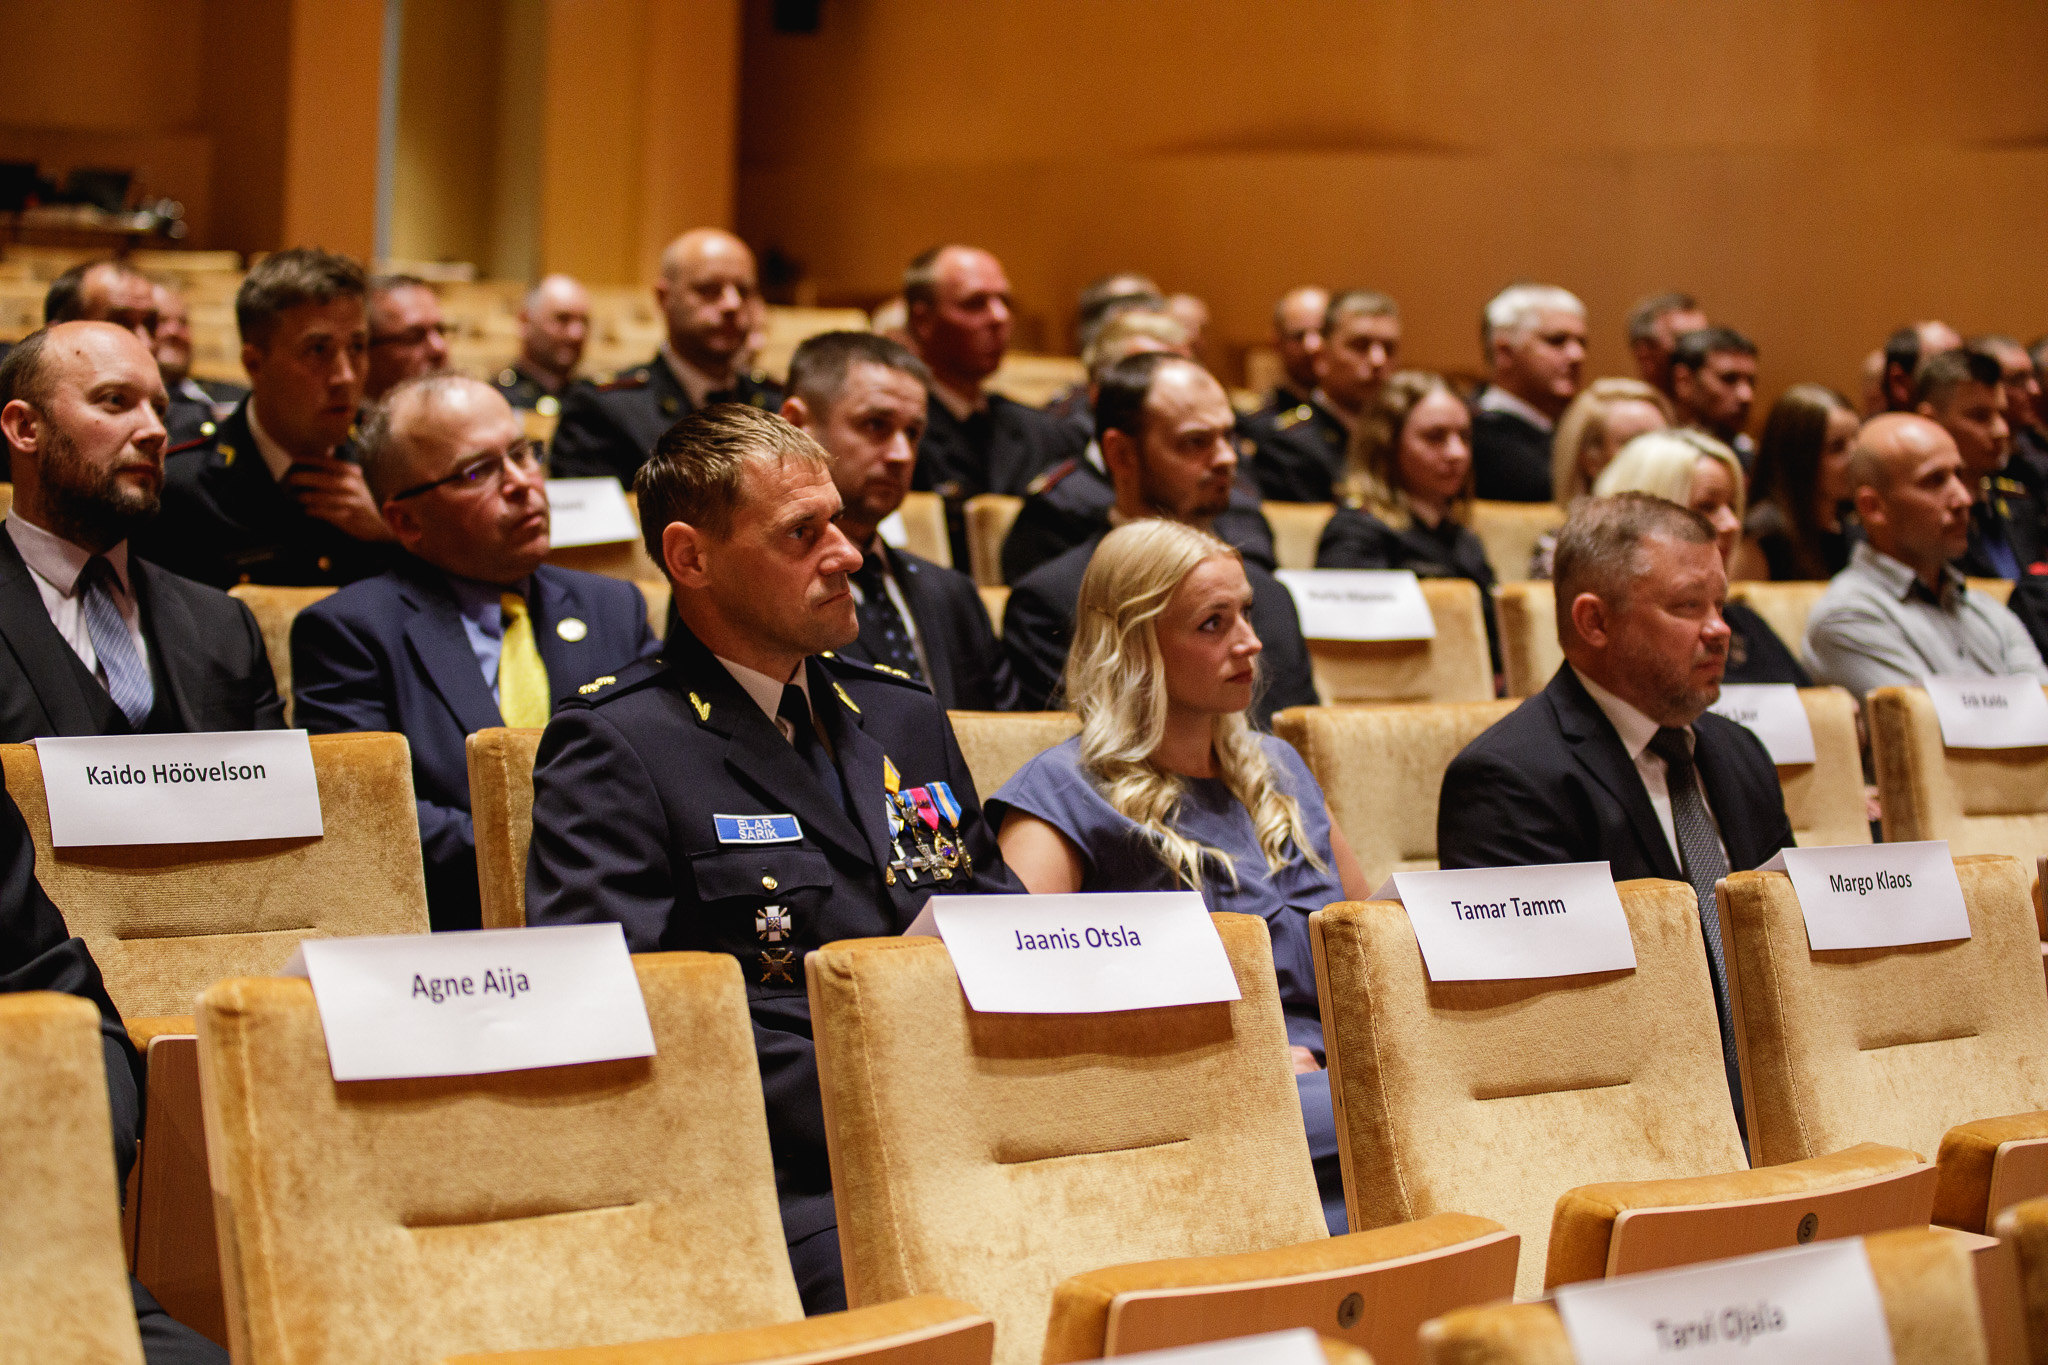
752	793
710	295
1535	340
94	641
862	397
1301	454
554	322
443	644
197	405
1618	758
1167	434
275	495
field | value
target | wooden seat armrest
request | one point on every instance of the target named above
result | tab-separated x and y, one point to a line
926	1330
1988	1165
140	1031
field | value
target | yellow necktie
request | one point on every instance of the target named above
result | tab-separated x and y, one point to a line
523	696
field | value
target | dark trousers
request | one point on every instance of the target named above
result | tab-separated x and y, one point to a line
165	1340
819	1278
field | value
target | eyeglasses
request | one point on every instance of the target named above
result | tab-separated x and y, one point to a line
415	336
485	471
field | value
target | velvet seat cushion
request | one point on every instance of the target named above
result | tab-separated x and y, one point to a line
997	743
1455	666
501	812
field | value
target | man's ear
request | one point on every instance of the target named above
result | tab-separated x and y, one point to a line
1926	409
796	412
1869	506
18	424
404	525
1589	619
252	358
682	554
1119	453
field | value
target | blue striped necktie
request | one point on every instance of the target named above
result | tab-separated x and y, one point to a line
127	673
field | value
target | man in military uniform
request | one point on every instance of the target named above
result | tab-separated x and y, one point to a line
274	495
1297	336
103	291
408	335
554	322
1300	454
710	294
1964	391
749	792
197	405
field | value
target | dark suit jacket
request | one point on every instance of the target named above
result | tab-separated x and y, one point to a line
968	669
390	653
1510	458
204	646
1070	503
624	791
1038	628
1000	449
610	428
1298	452
1357	539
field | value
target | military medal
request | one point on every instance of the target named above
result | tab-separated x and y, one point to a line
949	810
903	862
776	966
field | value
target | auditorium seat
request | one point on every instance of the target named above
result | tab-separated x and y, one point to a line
1297	530
1924	1278
1009	1159
657	591
2023	1231
1784	606
1381	767
274	610
995	600
924	527
63	1276
1035	380
1559	1105
1824	798
1455	666
615	559
611	1202
1924	1046
501	813
997	743
989	517
1509	532
6	498
1980	800
1528	635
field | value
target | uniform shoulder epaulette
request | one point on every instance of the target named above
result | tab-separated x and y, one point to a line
1050	479
1293	417
635	378
631	678
852	668
203	439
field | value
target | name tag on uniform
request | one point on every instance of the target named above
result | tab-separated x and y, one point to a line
471	1003
1774	714
1512	923
1876	895
1810	1305
589	512
1359	604
758	829
180	789
1990	713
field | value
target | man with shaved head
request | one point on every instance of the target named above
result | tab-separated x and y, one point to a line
554	322
1901	610
471	629
710	296
1297	336
99	642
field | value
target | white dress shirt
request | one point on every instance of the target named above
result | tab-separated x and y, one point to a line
1498	399
1636	730
276	458
55	564
767	694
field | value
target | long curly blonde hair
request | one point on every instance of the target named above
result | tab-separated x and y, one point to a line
1116	682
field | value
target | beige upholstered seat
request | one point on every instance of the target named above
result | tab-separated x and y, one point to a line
1510	1099
994	600
626	559
406	1221
997	743
1783	605
2023	1228
1897	1045
1509	532
274	610
1980	800
1824	798
924	527
1455	666
1381	768
501	812
1297	530
1924	1277
656	591
989	516
992	1156
63	1277
1528	636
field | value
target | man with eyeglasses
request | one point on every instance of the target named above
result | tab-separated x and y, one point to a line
408	336
470	629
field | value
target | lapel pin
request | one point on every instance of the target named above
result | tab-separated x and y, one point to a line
571	629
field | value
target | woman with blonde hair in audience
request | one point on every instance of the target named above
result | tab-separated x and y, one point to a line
1798	526
1607	415
1168	786
1694	470
1409	490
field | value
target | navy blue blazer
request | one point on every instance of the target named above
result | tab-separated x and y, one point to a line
390	653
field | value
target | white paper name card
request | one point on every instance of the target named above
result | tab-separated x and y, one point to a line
1297	1347
180	789
1990	713
1082	954
589	512
1876	895
1810	1305
1511	923
1774	714
1359	604
467	1004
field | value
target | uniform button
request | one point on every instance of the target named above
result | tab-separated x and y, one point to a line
325	563
768	883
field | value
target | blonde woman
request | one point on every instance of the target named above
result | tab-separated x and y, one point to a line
1607	415
1168	785
1694	470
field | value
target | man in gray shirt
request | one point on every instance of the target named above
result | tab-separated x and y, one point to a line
1900	611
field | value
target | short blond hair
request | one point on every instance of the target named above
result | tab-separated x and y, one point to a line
1662	463
1585	422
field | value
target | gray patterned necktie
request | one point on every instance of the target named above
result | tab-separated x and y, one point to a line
128	680
1705	864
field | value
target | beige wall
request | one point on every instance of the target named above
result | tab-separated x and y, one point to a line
1816	170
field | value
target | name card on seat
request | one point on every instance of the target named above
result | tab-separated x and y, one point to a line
1359	604
1512	923
180	789
1088	953
589	512
1990	713
1876	895
1774	714
471	1003
1810	1305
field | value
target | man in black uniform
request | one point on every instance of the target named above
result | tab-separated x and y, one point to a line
1297	336
275	495
1535	341
1168	437
975	441
103	291
711	296
197	405
862	397
1300	454
554	322
749	792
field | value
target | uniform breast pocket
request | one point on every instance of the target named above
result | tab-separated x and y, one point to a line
762	874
